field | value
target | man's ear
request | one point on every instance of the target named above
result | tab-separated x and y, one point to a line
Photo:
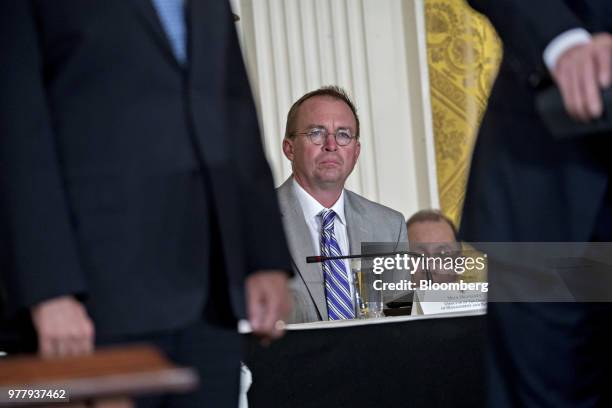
288	149
357	150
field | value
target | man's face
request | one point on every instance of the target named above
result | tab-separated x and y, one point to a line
433	238
328	165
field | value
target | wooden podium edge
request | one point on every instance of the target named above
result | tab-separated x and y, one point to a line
132	384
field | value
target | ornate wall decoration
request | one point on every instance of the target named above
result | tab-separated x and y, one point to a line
463	54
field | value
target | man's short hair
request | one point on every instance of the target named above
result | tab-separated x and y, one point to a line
431	215
331	91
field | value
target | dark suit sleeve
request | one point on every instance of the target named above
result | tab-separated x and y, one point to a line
527	27
265	239
37	232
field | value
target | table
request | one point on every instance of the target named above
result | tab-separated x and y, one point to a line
407	361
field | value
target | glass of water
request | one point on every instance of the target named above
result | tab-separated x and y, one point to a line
368	299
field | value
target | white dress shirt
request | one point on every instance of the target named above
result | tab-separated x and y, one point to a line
562	43
311	209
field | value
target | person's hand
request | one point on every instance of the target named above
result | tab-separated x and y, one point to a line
268	302
581	72
63	327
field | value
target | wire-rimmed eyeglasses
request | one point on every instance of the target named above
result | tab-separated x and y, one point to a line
319	135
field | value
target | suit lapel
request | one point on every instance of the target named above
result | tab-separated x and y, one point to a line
208	24
356	224
300	245
148	16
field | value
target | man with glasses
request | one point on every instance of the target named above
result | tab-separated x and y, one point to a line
319	215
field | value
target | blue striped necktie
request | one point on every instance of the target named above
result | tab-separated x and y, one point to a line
337	289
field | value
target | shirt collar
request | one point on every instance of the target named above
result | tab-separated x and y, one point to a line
311	207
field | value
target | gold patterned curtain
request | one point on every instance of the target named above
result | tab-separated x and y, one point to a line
463	56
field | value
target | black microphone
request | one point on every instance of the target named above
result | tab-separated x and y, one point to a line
320	258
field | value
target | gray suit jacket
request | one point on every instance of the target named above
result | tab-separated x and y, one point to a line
366	221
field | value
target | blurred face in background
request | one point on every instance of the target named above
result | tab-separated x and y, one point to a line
433	238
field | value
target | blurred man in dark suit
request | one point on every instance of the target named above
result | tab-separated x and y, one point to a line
136	202
526	186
